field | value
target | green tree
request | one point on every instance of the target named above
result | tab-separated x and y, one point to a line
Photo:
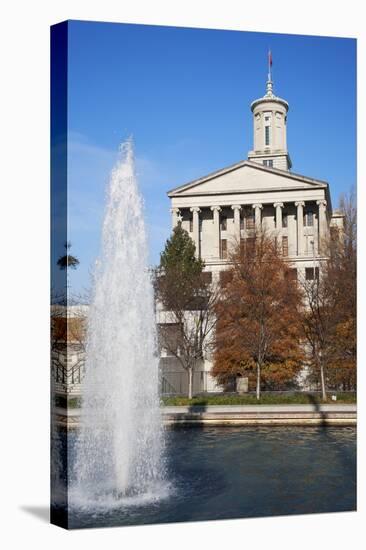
187	296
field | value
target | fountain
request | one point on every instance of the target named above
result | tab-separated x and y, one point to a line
120	446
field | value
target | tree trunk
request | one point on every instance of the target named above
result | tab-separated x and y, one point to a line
190	383
322	379
258	381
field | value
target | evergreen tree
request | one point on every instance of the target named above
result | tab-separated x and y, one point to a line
180	252
188	298
181	280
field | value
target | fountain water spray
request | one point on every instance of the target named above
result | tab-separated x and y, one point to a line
119	451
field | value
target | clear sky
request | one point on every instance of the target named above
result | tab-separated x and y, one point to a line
184	95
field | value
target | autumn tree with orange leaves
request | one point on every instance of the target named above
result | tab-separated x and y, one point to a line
258	331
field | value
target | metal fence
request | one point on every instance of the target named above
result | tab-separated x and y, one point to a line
67	369
68	373
176	383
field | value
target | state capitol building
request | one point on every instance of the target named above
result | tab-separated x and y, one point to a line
261	192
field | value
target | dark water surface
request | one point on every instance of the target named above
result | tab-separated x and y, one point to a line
240	472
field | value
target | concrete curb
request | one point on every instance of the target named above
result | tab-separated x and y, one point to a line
240	415
262	415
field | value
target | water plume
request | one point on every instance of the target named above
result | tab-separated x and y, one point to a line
120	447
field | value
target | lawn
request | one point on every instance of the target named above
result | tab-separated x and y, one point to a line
300	398
266	399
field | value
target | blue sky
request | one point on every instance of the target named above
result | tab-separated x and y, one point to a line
184	95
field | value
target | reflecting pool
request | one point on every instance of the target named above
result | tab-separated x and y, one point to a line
222	472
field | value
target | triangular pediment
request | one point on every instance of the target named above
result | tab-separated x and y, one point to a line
246	176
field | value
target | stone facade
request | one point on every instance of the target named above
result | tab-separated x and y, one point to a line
220	209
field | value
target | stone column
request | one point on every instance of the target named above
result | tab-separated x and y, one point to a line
322	225
278	206
300	227
258	217
216	222
175	216
196	228
236	208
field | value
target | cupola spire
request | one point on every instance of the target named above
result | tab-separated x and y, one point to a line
269	81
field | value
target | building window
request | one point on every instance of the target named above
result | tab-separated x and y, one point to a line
249	220
285	246
309	219
169	338
190	225
266	129
225	277
285	220
224	223
334	233
223	251
268	163
250	245
207	277
291	274
310	245
241	222
312	273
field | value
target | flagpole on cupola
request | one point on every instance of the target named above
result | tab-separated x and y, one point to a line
269	65
269	81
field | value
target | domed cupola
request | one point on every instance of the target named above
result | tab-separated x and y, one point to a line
270	120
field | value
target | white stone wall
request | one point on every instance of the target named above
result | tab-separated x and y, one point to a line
279	161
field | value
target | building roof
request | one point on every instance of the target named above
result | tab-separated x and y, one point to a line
283	173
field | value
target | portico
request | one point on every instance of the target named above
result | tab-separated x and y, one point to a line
301	224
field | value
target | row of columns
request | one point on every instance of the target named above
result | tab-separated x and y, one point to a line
322	222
